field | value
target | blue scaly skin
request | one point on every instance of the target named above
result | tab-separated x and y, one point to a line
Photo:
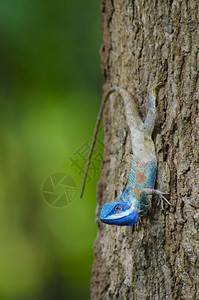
136	198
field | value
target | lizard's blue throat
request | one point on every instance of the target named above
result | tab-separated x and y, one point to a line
119	213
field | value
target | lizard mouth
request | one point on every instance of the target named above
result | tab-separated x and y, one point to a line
121	222
125	219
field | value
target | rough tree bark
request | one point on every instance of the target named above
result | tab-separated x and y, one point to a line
159	257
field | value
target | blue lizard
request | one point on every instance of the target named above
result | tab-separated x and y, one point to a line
136	197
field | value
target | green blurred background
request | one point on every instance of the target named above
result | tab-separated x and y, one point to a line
50	92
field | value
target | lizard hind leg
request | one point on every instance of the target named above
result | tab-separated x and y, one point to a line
150	119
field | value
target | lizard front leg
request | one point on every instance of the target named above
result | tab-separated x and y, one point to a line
146	192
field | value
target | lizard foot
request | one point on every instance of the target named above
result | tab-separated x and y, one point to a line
157	82
156	86
156	192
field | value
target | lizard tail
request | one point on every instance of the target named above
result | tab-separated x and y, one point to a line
110	91
132	116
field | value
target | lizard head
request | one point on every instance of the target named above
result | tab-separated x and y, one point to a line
121	213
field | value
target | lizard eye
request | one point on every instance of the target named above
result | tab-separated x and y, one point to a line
118	209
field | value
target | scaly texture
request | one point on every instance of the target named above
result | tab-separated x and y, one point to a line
135	198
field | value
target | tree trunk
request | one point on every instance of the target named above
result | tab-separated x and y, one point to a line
159	257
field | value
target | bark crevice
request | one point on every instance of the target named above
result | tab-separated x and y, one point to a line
157	258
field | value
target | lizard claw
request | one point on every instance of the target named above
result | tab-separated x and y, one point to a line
160	195
155	87
157	82
166	200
